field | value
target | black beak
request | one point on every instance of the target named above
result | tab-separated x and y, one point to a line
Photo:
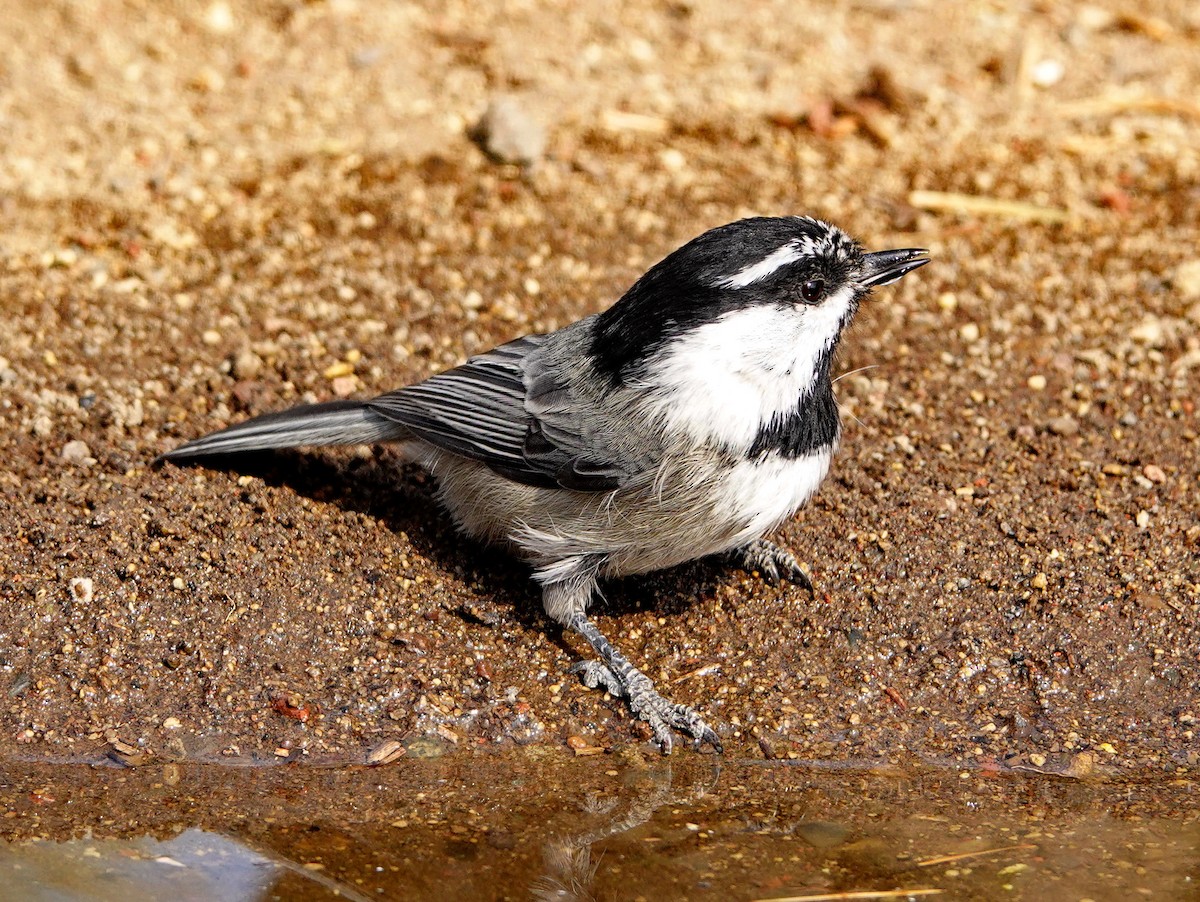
885	267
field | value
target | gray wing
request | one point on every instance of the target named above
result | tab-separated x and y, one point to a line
511	410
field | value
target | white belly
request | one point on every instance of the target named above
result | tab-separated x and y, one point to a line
693	509
741	505
768	491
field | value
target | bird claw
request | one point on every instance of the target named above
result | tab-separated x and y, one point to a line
773	563
649	705
595	674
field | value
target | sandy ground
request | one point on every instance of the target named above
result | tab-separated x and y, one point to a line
211	210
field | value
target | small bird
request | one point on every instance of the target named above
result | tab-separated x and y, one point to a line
689	419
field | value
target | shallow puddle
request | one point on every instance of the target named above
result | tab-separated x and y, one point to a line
534	824
193	866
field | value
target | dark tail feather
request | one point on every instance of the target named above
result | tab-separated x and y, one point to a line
330	423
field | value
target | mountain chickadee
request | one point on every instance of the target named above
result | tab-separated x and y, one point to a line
691	418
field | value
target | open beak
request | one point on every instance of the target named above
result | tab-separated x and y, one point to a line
885	267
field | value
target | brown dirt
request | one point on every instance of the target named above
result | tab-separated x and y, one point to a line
201	220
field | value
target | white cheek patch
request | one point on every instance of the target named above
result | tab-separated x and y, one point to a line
723	381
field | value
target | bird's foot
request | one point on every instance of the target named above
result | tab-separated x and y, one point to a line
772	562
648	704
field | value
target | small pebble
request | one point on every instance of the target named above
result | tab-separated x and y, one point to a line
1186	279
207	81
672	160
1047	73
77	452
1143	519
822	834
1064	425
1093	18
81	589
1149	332
344	386
218	18
509	134
247	365
1154	473
1037	382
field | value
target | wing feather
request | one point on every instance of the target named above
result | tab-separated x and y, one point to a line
513	410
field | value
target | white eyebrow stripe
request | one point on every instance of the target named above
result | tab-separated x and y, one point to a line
756	272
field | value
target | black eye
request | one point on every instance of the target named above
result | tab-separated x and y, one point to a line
813	290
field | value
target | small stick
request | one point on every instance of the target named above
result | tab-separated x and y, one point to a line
699	671
944	859
986	206
1115	104
862	894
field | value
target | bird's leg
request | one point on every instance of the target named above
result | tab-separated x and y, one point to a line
566	601
614	672
772	562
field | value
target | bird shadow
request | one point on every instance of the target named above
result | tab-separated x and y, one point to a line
403	497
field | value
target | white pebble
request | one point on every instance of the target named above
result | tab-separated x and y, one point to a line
219	18
81	589
672	160
1149	332
1047	73
1186	279
78	452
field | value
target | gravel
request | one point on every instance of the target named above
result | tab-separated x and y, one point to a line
205	221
